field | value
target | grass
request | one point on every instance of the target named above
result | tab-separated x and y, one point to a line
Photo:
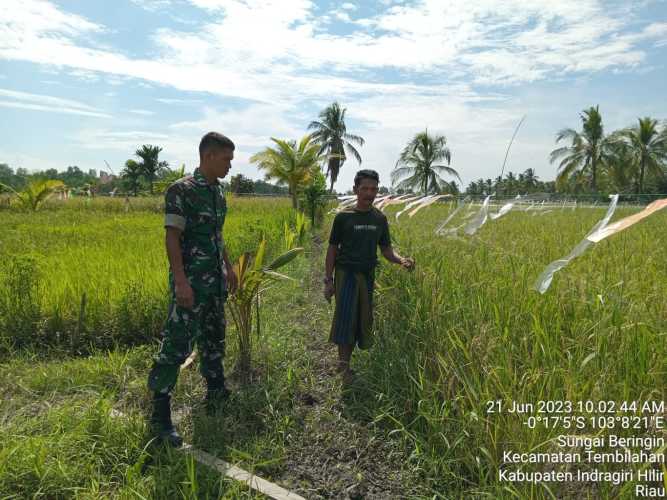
465	328
80	275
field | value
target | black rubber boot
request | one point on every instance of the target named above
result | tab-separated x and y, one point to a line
216	395
161	421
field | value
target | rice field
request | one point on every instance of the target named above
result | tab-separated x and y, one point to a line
83	295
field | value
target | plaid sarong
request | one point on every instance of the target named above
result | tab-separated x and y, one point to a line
353	317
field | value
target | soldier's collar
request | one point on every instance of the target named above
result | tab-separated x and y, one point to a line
199	178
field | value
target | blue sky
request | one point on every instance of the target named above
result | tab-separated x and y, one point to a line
84	82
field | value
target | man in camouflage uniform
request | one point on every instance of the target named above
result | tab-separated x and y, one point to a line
195	210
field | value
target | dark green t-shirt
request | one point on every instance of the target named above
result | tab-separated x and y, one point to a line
357	234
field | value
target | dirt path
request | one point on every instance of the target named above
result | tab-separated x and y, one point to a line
337	455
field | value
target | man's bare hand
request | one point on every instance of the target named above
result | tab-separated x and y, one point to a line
408	263
185	297
329	291
232	280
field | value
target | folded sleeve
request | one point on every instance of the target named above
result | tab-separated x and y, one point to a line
174	214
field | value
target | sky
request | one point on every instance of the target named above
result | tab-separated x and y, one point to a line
88	82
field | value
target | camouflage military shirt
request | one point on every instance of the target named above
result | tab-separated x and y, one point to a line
198	209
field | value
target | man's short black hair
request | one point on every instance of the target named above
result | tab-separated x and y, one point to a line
214	140
366	174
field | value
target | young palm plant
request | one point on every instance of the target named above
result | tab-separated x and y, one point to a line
35	193
419	166
289	164
169	178
253	277
331	134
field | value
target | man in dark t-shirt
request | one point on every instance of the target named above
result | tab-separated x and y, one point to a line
352	256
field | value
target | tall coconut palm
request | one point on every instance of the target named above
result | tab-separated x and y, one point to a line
621	171
150	164
289	164
131	174
419	166
648	146
331	134
588	148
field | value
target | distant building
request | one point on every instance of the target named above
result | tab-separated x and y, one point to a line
106	178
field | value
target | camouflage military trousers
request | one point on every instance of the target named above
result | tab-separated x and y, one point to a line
203	325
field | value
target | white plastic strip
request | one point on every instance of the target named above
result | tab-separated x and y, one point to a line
625	223
504	209
410	205
441	227
479	219
232	471
544	280
427	203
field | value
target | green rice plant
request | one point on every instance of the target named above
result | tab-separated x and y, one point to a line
467	328
51	258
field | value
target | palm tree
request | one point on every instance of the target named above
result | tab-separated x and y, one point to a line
36	192
648	145
621	165
331	134
419	166
530	179
289	164
132	175
150	166
587	151
169	177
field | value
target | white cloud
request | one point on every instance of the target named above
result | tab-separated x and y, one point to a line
165	100
343	16
143	112
348	6
488	41
41	102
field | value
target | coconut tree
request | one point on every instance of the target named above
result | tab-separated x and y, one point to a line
169	177
289	164
331	134
648	146
131	174
35	193
420	166
621	172
587	150
150	164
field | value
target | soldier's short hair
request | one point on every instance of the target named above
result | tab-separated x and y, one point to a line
366	174
214	140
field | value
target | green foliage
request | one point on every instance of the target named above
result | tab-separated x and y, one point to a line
419	168
37	191
313	197
168	178
289	164
113	255
253	278
240	184
334	140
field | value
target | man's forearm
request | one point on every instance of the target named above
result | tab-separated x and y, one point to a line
330	261
391	255
174	254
